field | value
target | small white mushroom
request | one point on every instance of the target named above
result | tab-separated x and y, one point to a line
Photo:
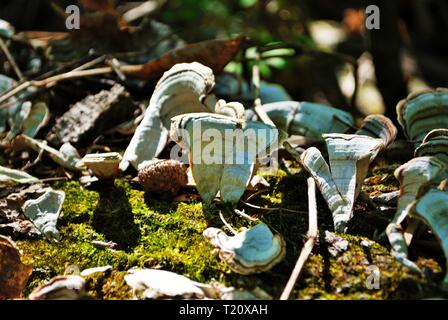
91	271
253	250
44	212
103	165
68	287
182	89
422	112
161	284
432	207
232	109
308	119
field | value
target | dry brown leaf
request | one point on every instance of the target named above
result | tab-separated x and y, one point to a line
13	273
40	38
215	54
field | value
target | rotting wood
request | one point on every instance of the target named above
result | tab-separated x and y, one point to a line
91	116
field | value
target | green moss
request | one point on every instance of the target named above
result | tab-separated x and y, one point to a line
152	233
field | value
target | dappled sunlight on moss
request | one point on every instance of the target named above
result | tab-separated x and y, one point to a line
167	235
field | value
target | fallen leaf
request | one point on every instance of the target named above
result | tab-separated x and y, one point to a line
36	119
67	156
40	39
13	273
18	120
12	221
44	212
213	53
15	176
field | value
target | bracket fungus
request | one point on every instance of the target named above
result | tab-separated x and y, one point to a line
103	165
422	112
350	156
253	250
182	89
413	176
434	144
163	176
432	208
378	126
44	212
67	287
307	118
161	284
395	234
225	163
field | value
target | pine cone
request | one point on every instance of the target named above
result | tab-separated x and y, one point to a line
163	176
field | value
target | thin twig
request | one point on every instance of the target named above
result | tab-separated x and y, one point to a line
53	179
227	224
36	161
11	60
256	83
91	63
271	209
253	195
74	74
247	203
245	216
309	244
144	9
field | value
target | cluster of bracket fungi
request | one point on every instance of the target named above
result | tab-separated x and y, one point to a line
182	98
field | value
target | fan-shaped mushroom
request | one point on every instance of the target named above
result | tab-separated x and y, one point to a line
307	118
432	207
68	287
222	151
350	156
413	176
434	144
422	112
251	251
161	284
378	126
182	89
